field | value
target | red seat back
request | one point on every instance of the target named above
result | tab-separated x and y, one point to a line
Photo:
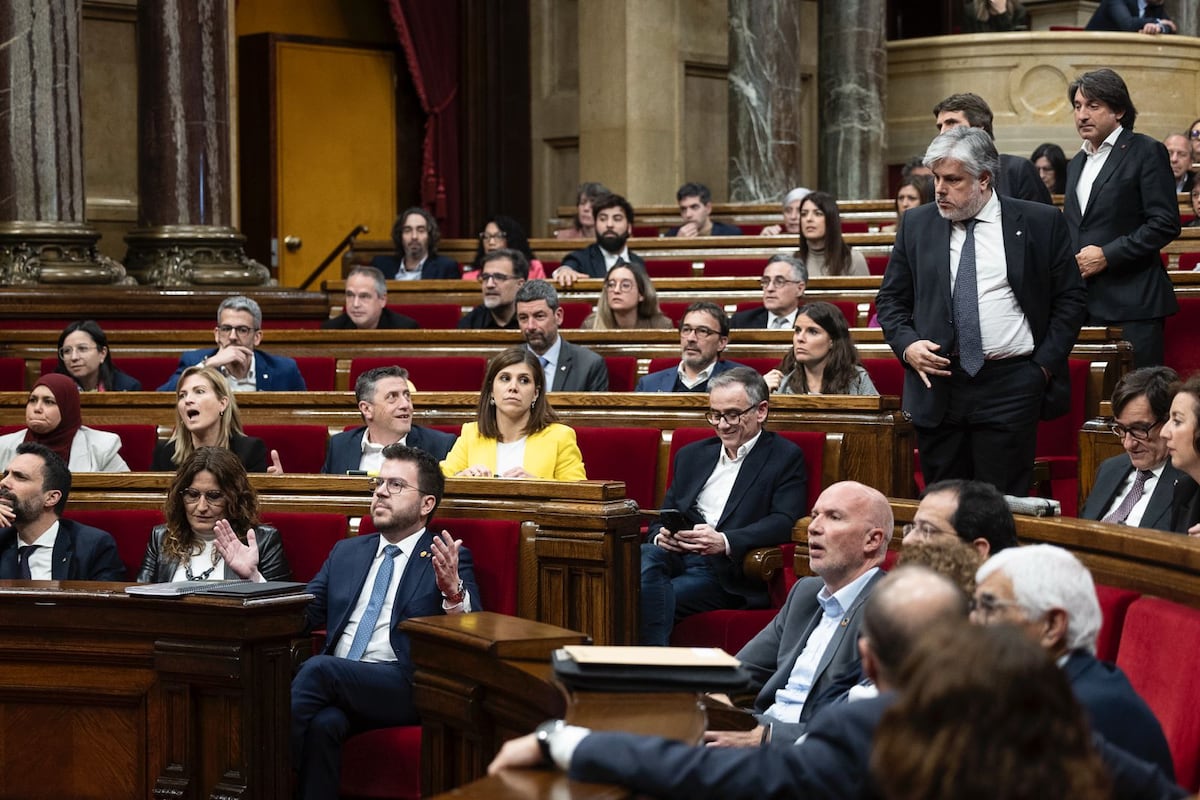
675	309
129	527
12	374
301	447
735	267
430	315
575	313
877	265
669	267
137	443
1181	345
440	374
887	374
622	454
1157	653
307	538
151	371
319	372
622	373
1114	605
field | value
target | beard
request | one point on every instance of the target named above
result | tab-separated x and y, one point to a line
970	207
23	513
393	520
612	242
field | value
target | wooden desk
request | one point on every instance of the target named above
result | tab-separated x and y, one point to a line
108	695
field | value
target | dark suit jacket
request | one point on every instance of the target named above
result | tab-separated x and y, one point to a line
388	321
1132	213
122	382
250	449
769	495
590	261
1019	178
81	553
435	267
274	373
719	229
914	301
757	317
1116	711
579	370
664	379
345	449
272	562
772	653
1122	15
1185	505
1189	180
480	318
1109	477
336	587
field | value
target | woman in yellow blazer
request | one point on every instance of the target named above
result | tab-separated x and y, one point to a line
518	434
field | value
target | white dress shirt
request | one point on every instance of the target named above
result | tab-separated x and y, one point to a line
1139	508
714	495
41	561
1091	167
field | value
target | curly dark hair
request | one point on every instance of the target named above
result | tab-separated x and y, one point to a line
241	503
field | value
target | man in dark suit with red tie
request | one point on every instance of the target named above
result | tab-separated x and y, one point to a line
982	303
1121	209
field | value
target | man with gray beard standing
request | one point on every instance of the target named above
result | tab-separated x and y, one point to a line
982	302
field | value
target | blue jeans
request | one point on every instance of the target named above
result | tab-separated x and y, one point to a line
674	586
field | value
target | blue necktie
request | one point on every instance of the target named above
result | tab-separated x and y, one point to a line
366	625
23	554
966	307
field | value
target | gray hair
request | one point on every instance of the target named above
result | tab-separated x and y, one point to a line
532	291
519	262
374	274
364	386
1045	577
799	193
747	378
970	146
241	303
799	270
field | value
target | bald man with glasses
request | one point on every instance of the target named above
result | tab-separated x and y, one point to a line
741	489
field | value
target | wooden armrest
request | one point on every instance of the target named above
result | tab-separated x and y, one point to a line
762	563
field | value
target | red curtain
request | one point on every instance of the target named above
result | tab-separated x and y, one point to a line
428	34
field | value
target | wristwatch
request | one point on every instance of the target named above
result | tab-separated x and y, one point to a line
457	597
543	733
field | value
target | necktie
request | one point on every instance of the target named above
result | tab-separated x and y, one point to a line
366	625
778	323
23	554
966	307
545	361
620	263
1121	512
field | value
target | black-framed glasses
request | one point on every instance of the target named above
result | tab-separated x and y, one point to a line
192	496
699	330
778	282
496	277
492	237
391	485
240	330
714	417
1139	433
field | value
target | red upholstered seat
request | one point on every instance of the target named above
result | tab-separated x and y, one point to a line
1181	349
301	447
307	537
1114	605
152	371
12	374
129	527
430	315
1188	261
887	374
675	310
735	267
137	443
575	313
855	226
669	267
440	374
622	373
386	763
760	365
1158	654
622	454
877	265
320	372
1058	443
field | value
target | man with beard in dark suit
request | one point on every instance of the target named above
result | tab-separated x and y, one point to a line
614	223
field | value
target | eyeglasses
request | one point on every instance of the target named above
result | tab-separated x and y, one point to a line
777	282
625	285
391	485
497	277
924	530
492	237
699	330
988	605
240	330
714	417
82	349
192	496
1194	134
1140	433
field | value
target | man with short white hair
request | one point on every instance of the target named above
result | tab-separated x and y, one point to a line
783	283
1047	591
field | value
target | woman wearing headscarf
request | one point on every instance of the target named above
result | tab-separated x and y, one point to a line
52	418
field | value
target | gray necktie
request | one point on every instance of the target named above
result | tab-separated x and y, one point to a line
966	307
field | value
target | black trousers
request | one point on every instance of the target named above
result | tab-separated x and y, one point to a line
989	432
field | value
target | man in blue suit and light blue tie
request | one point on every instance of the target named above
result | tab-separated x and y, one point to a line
385	402
703	335
367	586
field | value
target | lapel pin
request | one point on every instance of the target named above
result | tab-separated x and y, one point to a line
424	554
845	622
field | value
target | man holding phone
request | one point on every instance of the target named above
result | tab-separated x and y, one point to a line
739	490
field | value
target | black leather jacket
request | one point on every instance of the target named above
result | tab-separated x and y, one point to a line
272	563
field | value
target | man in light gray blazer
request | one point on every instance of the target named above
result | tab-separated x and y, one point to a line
568	367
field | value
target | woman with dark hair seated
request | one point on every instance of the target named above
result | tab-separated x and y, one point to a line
583	224
822	248
500	232
212	532
53	418
206	415
1182	432
823	359
915	190
628	301
1051	164
83	354
517	434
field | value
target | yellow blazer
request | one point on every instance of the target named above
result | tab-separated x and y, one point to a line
551	453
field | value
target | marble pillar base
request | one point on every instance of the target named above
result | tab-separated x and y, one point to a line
54	253
192	255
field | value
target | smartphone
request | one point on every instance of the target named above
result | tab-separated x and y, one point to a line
674	520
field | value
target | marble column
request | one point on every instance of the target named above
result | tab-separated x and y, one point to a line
769	84
43	235
853	98
185	234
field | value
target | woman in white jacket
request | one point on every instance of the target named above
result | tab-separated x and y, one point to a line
52	417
